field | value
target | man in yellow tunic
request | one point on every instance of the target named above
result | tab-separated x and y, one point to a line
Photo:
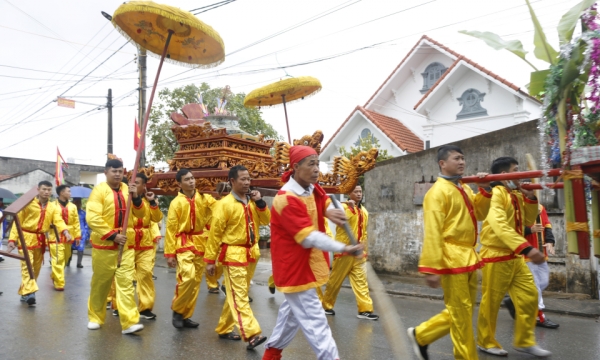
35	221
503	247
184	248
140	235
450	214
105	217
347	265
233	236
68	212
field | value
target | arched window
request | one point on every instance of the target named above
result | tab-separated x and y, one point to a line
432	73
363	135
471	104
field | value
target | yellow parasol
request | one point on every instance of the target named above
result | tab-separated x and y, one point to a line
173	34
282	92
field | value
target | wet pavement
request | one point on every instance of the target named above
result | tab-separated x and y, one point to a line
56	327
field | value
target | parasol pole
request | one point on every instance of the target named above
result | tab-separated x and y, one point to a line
138	153
286	120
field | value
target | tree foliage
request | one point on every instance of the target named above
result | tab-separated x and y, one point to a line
163	142
366	144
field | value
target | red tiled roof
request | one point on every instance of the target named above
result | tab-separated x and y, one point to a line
459	57
478	67
424	37
393	128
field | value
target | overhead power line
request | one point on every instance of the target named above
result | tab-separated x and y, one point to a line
64	92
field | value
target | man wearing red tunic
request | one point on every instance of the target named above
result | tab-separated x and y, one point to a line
298	240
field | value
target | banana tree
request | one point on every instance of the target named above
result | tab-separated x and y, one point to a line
562	87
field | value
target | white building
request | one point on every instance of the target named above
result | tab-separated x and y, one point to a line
435	96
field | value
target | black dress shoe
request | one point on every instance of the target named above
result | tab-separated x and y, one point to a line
547	324
188	323
177	320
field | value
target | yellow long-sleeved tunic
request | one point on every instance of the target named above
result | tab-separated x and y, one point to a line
450	214
35	222
502	232
70	216
230	236
139	232
357	219
106	212
186	221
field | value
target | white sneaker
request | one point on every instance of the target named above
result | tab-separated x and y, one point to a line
93	326
493	351
535	351
133	329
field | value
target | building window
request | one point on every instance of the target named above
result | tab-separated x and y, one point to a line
471	104
432	74
363	135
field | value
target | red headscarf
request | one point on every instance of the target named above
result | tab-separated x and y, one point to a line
297	154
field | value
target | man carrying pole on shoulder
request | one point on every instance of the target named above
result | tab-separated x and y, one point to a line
503	247
35	220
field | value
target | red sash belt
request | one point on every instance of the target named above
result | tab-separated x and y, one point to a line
139	234
224	250
41	237
184	236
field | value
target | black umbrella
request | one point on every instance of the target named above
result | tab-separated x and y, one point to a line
6	194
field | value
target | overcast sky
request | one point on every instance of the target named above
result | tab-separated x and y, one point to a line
71	37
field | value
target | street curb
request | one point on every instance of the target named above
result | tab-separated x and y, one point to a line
441	297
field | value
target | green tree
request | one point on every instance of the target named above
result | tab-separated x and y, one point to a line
164	144
366	144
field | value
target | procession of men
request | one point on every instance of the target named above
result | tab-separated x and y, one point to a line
204	233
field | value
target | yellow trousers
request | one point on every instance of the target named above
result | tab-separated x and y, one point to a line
460	292
104	267
356	270
143	274
189	274
29	285
68	251
154	256
236	310
212	282
58	265
512	276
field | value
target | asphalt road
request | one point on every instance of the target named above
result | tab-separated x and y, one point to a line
56	327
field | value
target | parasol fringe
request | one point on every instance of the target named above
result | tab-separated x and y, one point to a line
175	14
286	101
172	61
281	86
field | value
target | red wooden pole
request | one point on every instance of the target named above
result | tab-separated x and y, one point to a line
138	153
583	238
511	176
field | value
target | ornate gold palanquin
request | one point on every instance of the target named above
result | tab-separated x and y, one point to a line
210	152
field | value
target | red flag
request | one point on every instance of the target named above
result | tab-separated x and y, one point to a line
59	177
137	137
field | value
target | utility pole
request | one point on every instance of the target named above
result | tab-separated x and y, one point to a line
109	142
142	98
